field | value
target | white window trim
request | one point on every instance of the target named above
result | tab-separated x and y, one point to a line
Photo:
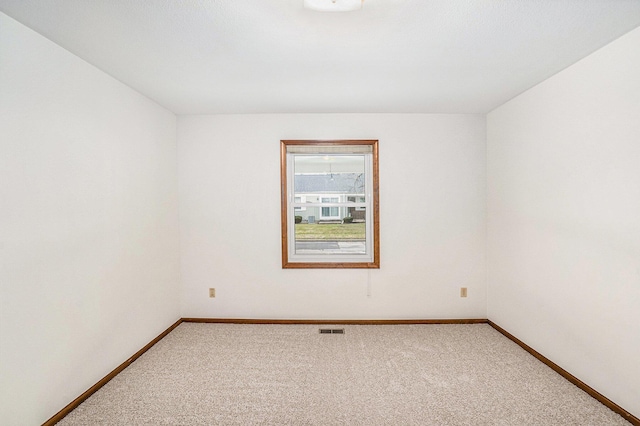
368	255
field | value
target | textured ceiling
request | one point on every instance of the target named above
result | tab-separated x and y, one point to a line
262	56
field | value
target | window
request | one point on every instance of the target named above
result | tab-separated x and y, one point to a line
330	204
301	199
358	199
329	212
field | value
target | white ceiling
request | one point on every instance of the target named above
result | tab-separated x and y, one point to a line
263	56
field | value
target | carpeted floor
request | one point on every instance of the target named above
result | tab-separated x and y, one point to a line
226	374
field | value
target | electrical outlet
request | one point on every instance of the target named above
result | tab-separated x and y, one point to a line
463	292
212	292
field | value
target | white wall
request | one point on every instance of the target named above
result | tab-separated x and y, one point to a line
564	219
88	225
432	194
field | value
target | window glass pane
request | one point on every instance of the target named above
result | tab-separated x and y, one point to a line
346	237
329	174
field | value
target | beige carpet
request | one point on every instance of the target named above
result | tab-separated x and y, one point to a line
225	374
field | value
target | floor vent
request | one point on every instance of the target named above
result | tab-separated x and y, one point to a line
332	331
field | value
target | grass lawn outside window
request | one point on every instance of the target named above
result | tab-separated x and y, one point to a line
330	231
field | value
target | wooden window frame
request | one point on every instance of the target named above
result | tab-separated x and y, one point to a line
375	205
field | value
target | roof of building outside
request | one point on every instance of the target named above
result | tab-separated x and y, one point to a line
342	183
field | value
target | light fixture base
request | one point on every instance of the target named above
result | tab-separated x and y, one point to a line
333	5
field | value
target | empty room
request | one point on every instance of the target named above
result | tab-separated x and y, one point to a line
320	212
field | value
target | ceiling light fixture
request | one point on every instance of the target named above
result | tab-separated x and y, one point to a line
333	5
